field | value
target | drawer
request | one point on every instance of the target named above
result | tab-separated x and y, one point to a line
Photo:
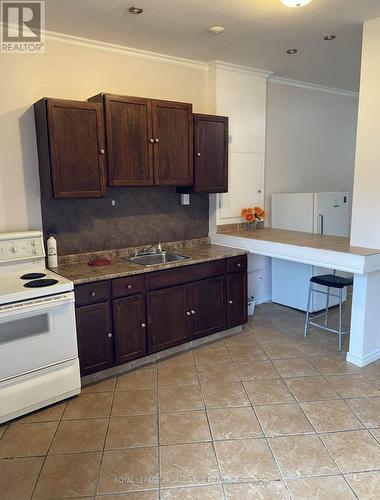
131	285
185	274
91	293
237	264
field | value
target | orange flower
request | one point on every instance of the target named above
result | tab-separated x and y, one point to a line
250	217
260	213
244	212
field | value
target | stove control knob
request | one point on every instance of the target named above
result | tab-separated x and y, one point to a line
34	243
14	249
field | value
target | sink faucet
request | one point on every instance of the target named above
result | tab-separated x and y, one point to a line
149	249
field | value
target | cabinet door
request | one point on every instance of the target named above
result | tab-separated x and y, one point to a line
207	301
173	133
168	318
210	154
76	141
129	328
237	299
94	337
129	141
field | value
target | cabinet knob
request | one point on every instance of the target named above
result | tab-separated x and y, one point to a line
188	313
199	155
239	265
259	191
230	301
92	294
143	325
192	311
151	140
109	335
102	151
156	139
129	287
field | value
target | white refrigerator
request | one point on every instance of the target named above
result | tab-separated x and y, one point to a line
323	213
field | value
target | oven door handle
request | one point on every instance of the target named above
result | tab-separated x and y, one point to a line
40	304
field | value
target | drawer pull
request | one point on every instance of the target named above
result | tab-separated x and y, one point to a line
129	287
230	301
239	265
109	335
92	294
143	325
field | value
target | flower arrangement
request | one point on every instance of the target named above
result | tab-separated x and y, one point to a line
253	215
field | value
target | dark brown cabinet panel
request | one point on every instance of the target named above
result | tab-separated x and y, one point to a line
94	337
129	318
173	132
168	318
210	154
129	136
71	149
207	305
237	299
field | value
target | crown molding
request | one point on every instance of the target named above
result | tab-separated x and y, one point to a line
313	86
239	68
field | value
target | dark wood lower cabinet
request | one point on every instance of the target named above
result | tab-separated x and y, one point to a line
237	299
207	301
130	331
168	318
94	337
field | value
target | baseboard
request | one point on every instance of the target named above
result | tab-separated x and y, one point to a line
263	300
366	360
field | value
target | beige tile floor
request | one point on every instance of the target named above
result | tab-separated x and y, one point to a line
264	415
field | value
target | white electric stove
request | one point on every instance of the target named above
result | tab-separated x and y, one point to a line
38	346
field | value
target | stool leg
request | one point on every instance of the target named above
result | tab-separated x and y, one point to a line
340	317
327	306
307	311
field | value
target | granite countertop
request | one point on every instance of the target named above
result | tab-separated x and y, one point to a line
310	240
81	272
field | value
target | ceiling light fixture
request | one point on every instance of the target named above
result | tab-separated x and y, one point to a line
216	30
329	37
295	3
292	51
135	10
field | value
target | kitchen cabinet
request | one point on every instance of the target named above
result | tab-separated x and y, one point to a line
130	331
168	318
94	337
210	153
237	299
71	151
149	142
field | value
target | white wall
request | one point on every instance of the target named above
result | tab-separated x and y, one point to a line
366	200
72	72
310	144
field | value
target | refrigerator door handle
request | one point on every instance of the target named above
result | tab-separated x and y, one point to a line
321	223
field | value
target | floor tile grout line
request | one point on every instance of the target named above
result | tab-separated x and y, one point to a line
158	432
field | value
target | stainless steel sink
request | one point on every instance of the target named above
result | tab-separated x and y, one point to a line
156	258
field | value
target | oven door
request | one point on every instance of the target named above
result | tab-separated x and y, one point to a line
36	334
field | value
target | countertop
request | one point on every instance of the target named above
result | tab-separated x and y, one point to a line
83	273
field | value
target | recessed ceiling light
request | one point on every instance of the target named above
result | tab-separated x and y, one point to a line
216	30
292	51
295	3
136	10
329	37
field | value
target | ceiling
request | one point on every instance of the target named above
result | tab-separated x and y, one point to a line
257	32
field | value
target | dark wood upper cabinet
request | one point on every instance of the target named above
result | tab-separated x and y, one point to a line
173	132
207	305
237	299
129	140
94	337
168	318
130	331
71	151
210	153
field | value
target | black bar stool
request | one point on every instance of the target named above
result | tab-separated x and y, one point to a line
329	281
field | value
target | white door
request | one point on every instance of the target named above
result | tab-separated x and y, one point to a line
332	213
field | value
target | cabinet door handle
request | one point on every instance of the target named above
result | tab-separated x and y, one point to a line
192	311
156	139
199	155
92	294
143	325
102	151
109	335
151	140
230	301
188	313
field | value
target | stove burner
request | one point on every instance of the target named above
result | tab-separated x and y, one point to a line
40	283
32	276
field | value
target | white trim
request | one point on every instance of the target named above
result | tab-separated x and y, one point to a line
366	360
239	68
313	86
263	300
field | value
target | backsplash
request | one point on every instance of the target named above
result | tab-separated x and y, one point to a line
140	216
